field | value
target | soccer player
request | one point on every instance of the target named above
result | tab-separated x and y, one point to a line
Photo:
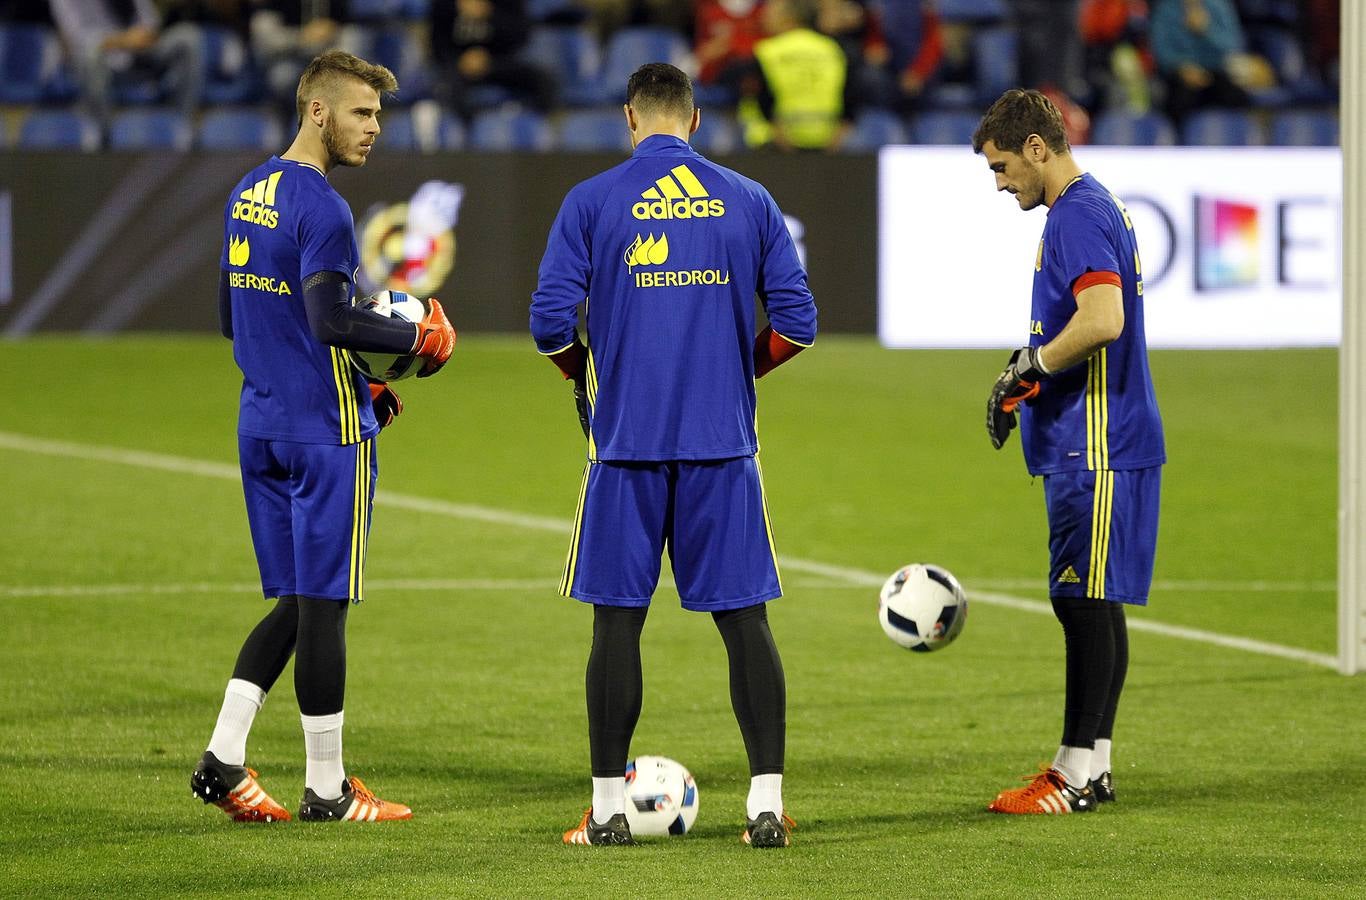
673	249
1089	425
306	435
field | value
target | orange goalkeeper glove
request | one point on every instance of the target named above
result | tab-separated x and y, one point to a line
387	404
435	339
1017	383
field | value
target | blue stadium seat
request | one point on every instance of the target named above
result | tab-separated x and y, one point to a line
598	129
59	129
944	127
630	48
996	60
575	58
718	134
972	10
1221	128
398	48
873	128
241	128
1305	128
424	128
230	77
511	128
1120	128
30	58
554	10
150	128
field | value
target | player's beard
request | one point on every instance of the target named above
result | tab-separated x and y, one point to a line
336	148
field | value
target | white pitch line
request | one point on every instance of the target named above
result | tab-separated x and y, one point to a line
850	576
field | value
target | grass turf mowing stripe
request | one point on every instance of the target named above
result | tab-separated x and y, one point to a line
853	577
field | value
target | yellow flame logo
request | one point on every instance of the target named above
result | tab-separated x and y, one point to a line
647	251
239	251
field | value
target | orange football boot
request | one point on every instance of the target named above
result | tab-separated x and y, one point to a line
235	790
1047	793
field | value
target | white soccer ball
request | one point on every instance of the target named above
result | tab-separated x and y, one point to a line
390	366
661	797
922	607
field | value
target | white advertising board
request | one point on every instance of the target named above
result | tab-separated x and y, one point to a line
1241	247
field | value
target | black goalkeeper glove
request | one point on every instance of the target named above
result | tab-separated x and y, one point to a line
1016	384
581	401
386	403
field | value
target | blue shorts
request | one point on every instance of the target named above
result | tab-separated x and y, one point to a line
1102	533
309	510
711	516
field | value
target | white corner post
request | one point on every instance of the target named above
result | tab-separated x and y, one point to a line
1352	355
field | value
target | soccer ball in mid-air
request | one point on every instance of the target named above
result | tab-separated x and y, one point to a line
922	607
661	797
390	366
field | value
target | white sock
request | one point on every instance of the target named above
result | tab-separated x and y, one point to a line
765	795
609	798
1075	765
323	772
1100	758
241	702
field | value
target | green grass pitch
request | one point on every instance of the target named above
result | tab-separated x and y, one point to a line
127	587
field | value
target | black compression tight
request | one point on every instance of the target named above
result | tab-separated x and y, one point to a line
314	630
1097	644
614	686
758	689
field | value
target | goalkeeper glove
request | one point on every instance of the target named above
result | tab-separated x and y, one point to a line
435	339
386	403
1017	383
581	402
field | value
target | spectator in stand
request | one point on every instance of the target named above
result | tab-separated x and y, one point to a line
1118	66
1321	27
858	30
915	39
478	42
726	32
286	34
1196	44
117	39
801	95
1050	47
608	16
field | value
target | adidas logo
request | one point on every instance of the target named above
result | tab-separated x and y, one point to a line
239	251
1069	576
678	195
255	204
648	252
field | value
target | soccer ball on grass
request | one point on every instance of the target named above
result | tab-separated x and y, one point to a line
661	797
922	607
390	366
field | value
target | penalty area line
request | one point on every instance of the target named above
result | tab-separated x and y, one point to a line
850	576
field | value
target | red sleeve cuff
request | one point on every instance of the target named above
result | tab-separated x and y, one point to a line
1091	279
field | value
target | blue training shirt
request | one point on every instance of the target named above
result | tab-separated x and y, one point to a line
669	250
283	223
1100	414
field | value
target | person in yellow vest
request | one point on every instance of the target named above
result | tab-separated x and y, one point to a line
800	95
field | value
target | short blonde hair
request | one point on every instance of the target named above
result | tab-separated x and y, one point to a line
325	74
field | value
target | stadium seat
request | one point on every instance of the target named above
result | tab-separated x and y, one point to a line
397	47
1221	128
554	11
944	127
511	128
874	128
59	129
1305	128
424	128
972	10
149	128
996	60
718	134
1120	128
30	58
630	48
1296	84
598	129
230	77
573	55
241	128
